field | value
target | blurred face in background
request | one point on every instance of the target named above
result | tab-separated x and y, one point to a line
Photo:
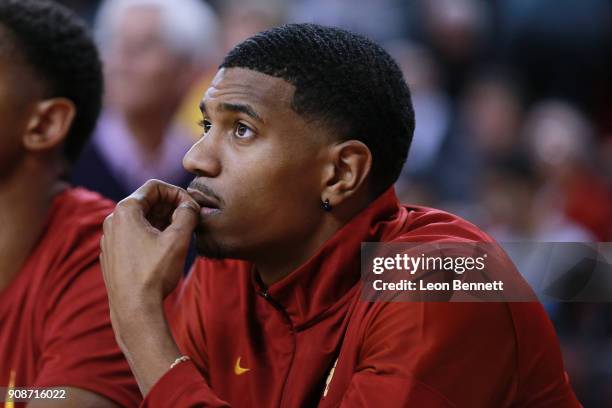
508	200
243	21
144	76
455	26
558	137
494	116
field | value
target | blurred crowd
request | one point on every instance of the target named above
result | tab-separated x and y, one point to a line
513	109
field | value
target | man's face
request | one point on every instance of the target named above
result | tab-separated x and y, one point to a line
260	163
142	71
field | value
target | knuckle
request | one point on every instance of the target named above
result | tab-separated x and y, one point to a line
152	182
127	203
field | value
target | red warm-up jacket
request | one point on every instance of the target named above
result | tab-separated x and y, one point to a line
309	340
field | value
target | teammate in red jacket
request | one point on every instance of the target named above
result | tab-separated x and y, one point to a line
305	129
55	328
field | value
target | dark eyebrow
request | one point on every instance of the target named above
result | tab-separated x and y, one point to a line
243	108
235	107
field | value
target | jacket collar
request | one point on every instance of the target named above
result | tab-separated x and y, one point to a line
322	282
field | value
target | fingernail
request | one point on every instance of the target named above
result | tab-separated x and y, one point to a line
190	205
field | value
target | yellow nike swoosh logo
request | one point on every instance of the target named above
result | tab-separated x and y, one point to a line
239	370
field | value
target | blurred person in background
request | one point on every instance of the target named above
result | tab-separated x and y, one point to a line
55	328
518	207
561	141
241	19
434	110
458	34
487	131
492	110
516	210
485	128
153	51
561	47
555	191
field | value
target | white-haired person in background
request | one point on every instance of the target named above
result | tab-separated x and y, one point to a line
153	51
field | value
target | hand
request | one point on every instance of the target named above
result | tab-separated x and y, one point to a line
144	246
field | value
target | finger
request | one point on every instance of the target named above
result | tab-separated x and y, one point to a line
161	215
143	199
184	221
154	192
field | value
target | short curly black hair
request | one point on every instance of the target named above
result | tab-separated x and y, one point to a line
57	46
343	79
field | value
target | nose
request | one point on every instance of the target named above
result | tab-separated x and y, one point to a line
203	158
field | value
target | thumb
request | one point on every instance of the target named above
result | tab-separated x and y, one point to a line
184	220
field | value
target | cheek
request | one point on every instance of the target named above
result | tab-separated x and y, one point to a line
274	198
11	150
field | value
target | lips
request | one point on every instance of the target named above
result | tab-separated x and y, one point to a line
207	204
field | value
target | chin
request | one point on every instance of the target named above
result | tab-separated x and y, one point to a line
208	247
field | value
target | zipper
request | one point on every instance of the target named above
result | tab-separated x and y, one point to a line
266	295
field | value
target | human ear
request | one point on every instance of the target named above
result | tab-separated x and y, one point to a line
349	166
49	124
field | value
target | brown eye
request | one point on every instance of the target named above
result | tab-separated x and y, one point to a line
242	131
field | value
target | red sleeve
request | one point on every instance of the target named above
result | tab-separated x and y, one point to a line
78	348
185	387
446	355
186	320
370	389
